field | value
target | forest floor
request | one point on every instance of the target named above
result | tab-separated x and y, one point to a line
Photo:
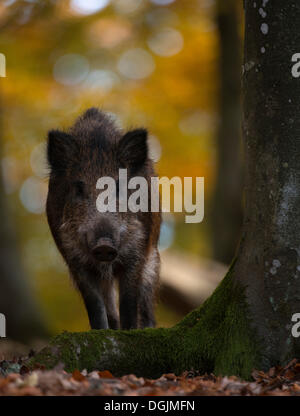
17	380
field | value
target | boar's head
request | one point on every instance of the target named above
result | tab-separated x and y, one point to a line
94	147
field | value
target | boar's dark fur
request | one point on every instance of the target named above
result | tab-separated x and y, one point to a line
103	248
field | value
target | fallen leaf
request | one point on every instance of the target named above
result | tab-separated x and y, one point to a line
76	375
105	374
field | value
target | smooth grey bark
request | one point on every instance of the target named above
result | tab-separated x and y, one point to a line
227	210
268	261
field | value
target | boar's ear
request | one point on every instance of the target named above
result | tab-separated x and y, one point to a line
133	148
58	147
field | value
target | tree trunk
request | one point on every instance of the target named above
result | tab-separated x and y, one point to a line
227	210
269	256
23	320
246	323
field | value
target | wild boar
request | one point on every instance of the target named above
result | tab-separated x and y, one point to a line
103	248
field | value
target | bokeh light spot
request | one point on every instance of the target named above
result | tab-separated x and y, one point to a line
166	42
71	69
101	79
161	17
197	122
88	6
8	3
127	6
167	232
136	64
109	32
33	195
162	2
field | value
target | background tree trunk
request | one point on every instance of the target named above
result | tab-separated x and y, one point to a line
246	323
227	211
23	319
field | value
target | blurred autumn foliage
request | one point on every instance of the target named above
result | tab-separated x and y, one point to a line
151	63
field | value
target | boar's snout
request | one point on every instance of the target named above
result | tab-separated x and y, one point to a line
104	250
102	240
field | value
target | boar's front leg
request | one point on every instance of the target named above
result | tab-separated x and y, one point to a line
147	290
109	294
95	306
128	285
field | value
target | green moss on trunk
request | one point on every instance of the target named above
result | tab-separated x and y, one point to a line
216	337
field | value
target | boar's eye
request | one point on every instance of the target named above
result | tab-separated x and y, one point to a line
79	189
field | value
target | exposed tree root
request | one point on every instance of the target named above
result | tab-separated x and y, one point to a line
216	338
